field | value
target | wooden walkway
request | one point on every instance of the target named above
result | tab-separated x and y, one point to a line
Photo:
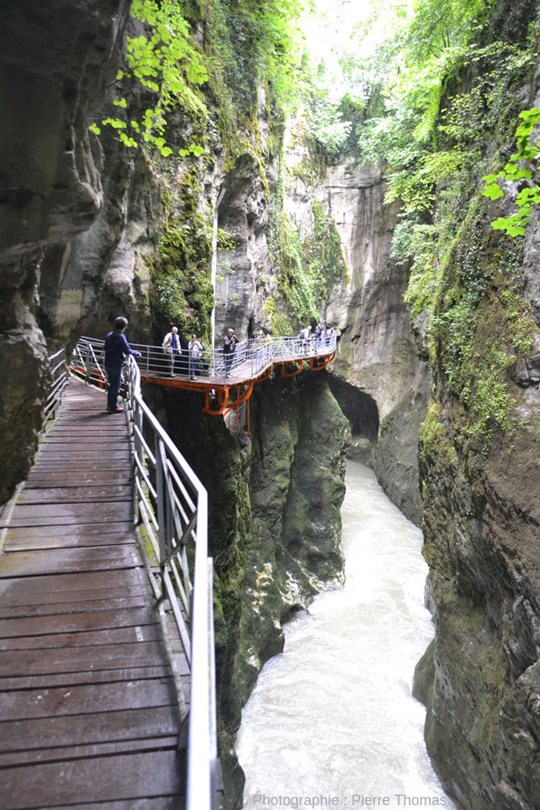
88	708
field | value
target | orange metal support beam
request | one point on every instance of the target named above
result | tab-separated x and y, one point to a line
298	369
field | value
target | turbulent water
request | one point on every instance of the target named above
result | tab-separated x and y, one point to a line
332	721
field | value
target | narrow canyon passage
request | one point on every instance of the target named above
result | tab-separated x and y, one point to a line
332	721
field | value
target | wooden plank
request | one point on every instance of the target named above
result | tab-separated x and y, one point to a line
71	464
51	586
69	514
92	437
78	478
120	635
64	434
126	777
87	751
67	541
83	530
30	704
89	558
77	624
78	659
111	492
78	729
82	511
52	454
70	607
64	679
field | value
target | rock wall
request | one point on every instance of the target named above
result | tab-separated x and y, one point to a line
481	678
54	65
378	375
480	484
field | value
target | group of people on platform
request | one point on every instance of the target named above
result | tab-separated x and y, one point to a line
172	347
316	339
117	349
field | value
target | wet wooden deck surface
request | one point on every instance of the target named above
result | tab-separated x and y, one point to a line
88	708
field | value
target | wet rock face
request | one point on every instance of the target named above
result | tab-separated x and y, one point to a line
54	63
243	215
55	60
481	543
377	374
377	351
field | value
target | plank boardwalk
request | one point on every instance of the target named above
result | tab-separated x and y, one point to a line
89	715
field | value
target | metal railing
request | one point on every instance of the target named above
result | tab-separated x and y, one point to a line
59	380
251	357
172	510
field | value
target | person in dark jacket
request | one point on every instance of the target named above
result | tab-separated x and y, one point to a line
229	348
116	349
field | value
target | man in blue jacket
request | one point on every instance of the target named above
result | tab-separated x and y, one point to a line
116	349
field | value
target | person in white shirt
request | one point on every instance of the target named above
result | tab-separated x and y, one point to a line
195	350
171	346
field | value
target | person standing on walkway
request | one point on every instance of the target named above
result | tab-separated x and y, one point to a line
330	335
116	350
171	346
195	350
229	347
319	337
305	338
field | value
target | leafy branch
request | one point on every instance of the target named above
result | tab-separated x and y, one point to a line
165	63
515	172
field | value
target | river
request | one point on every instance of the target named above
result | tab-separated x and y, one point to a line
332	722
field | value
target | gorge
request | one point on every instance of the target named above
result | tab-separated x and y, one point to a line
384	234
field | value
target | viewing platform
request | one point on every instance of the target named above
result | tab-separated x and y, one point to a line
226	382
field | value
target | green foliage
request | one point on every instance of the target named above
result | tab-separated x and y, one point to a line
445	96
439	25
181	292
251	45
481	325
307	269
164	61
518	171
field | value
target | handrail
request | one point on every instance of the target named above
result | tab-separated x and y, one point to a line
172	508
59	380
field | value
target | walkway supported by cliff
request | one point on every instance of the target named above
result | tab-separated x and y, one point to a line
89	707
227	383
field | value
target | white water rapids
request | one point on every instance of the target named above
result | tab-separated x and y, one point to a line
332	722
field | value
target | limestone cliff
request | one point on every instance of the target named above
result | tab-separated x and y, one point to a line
480	446
378	376
54	65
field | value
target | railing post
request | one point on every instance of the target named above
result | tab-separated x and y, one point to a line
161	508
199	783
